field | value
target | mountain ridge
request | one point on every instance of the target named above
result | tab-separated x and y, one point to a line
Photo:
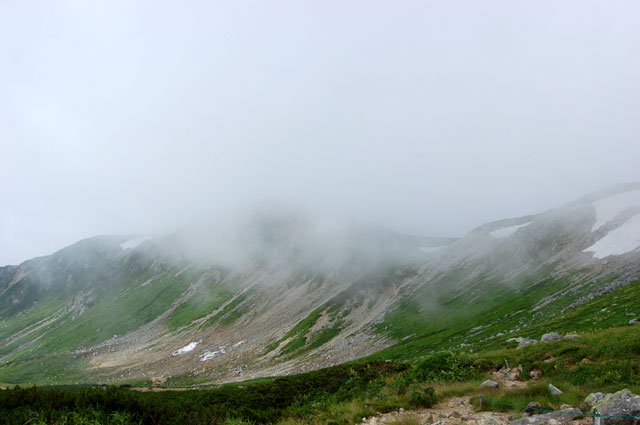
296	299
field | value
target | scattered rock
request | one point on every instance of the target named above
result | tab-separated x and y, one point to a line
571	336
535	374
532	408
554	390
525	342
553	336
490	420
558	417
508	374
488	384
632	321
514	376
619	404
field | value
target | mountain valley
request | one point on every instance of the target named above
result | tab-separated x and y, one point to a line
276	293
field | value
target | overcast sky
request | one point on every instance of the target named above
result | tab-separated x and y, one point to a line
429	117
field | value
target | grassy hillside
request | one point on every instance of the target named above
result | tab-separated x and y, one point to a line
485	321
343	395
606	357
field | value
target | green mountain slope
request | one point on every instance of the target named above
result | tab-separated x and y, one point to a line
279	296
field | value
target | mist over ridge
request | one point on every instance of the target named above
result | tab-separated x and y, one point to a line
277	290
133	117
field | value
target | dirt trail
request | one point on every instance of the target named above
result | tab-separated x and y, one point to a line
451	411
459	410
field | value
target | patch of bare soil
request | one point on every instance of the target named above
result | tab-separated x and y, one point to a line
451	411
156	389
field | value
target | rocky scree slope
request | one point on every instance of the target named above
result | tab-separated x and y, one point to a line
278	294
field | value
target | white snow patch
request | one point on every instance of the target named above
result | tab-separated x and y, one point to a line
185	349
208	355
507	231
132	243
430	249
608	208
625	238
223	349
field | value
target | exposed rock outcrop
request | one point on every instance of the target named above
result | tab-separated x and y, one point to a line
620	408
552	336
558	417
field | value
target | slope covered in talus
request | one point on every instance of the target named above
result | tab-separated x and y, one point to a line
276	292
505	276
123	307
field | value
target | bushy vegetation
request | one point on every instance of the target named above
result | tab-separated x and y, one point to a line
605	360
338	394
446	367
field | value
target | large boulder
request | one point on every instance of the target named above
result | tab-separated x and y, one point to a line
553	336
618	408
591	400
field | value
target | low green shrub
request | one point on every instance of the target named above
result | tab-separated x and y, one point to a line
446	367
421	397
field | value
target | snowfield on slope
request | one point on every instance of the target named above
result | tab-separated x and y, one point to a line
208	355
625	238
185	349
507	231
608	208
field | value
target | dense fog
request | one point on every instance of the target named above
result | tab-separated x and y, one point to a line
426	118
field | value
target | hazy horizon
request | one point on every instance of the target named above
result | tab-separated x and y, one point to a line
428	118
